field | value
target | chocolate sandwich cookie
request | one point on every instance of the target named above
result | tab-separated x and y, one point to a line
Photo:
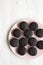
33	26
40	44
21	50
23	41
14	42
32	41
32	51
23	25
39	32
16	33
28	33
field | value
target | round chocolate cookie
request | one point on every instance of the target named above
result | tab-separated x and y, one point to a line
40	44
16	33
33	26
32	41
21	50
23	41
39	32
14	42
28	33
32	51
23	25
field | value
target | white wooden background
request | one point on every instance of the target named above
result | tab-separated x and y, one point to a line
10	12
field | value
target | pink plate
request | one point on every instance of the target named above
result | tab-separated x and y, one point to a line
13	49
